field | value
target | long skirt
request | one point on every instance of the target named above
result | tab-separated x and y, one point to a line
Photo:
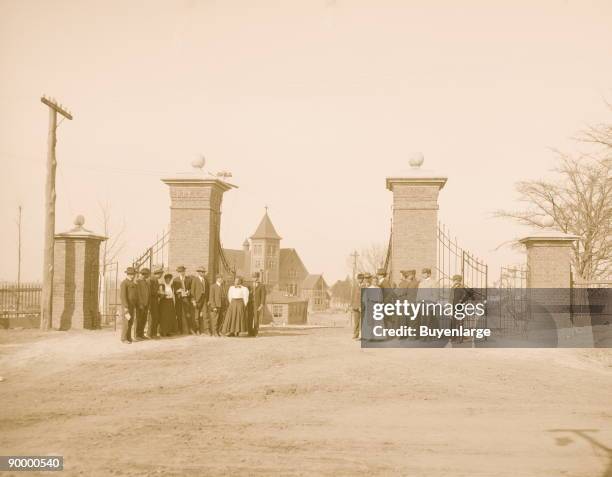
167	317
235	318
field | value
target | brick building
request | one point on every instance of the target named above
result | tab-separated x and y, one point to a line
281	269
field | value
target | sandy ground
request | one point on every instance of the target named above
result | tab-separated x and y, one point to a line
302	401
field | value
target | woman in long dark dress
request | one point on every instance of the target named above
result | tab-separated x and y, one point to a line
235	317
167	312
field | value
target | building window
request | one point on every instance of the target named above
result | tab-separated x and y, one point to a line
271	248
293	273
277	311
257	249
270	262
257	265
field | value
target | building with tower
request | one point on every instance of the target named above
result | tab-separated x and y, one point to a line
281	269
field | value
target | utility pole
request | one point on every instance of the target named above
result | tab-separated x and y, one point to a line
50	195
18	258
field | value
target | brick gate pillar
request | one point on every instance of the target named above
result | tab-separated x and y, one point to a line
549	259
415	219
195	220
549	281
76	278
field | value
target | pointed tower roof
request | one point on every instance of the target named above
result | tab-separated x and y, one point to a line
265	230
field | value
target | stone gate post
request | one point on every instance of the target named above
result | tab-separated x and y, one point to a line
76	278
549	259
195	220
549	281
415	219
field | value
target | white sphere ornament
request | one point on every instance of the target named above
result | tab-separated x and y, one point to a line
416	160
199	162
79	221
548	221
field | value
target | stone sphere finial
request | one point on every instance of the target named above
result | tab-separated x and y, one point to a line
548	221
79	221
199	162
416	160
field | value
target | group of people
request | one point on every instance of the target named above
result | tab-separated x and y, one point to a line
158	304
409	288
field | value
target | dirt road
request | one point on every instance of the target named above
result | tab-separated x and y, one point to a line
301	402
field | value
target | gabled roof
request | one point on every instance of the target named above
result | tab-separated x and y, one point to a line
279	298
265	230
312	281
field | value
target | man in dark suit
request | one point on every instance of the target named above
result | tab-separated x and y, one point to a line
129	303
383	282
154	283
217	302
184	313
142	284
199	299
258	299
407	291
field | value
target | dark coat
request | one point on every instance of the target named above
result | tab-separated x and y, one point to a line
185	284
153	291
258	295
144	292
200	290
129	295
218	296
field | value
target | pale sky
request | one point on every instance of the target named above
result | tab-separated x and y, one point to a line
310	104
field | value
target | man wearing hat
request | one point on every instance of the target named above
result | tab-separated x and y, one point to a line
356	305
182	286
258	299
200	290
154	321
388	295
142	311
217	303
129	303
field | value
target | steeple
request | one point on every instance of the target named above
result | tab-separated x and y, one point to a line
266	230
265	251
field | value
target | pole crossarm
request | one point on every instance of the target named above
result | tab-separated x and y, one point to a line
53	104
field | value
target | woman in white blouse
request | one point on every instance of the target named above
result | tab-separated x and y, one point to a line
235	317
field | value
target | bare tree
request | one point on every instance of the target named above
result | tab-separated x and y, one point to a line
112	247
372	257
580	203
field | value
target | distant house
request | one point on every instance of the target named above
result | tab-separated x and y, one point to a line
315	290
285	310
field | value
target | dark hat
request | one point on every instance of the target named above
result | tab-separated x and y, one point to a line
404	272
158	271
201	269
457	277
412	272
426	270
180	268
255	275
367	275
168	275
130	271
360	276
145	271
381	271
